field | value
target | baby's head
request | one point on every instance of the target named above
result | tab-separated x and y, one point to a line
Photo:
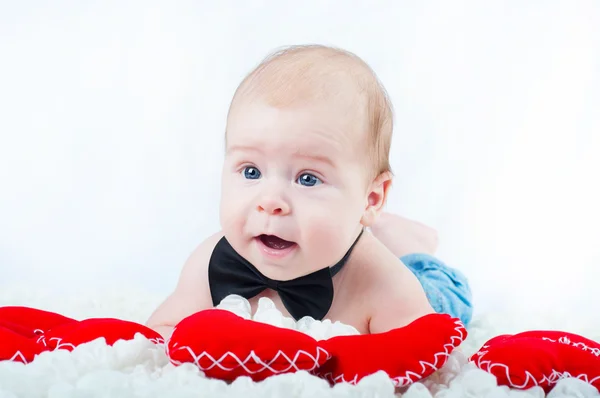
307	159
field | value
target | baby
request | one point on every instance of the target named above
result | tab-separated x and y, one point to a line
305	179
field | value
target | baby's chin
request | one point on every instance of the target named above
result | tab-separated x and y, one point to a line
278	268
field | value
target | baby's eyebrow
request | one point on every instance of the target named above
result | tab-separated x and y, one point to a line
243	148
314	156
299	153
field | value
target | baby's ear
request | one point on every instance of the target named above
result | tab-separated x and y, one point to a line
376	198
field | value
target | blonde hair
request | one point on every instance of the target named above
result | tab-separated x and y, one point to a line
312	72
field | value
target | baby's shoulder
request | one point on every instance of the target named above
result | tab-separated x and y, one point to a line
375	265
195	267
391	291
380	274
204	250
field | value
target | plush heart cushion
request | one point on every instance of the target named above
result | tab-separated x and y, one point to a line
26	332
69	336
406	354
22	329
30	322
540	358
16	347
225	346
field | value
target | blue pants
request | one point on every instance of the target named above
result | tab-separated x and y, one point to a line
446	288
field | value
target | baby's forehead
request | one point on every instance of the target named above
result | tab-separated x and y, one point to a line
337	81
257	122
309	74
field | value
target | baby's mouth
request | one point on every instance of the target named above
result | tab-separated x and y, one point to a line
275	242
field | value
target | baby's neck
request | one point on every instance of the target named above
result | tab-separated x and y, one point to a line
367	250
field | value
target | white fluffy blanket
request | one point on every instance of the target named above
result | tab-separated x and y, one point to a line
139	369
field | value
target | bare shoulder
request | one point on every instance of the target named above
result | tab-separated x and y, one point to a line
192	292
395	295
194	271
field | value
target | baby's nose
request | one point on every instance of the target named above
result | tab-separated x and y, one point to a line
274	206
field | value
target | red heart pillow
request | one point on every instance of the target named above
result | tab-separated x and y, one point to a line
406	354
22	328
30	322
16	347
540	358
225	346
26	332
69	336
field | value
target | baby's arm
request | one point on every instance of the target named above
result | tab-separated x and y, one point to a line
192	293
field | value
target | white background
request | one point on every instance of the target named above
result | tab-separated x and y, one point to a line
112	116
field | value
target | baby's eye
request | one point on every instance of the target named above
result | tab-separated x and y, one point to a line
251	173
308	180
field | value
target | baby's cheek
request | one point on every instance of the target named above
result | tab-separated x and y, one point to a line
327	235
229	211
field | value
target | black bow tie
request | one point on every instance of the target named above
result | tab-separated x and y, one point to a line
309	295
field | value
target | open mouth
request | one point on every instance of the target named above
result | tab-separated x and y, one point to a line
275	243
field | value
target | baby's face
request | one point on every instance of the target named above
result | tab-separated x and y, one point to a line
294	186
